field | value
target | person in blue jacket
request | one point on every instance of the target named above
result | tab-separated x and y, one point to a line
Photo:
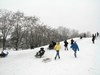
75	48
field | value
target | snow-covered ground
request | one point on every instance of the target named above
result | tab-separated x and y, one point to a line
24	63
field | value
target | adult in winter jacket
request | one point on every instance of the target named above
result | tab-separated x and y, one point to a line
57	48
75	48
66	44
93	38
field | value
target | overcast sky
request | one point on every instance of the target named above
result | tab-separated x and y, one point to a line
83	15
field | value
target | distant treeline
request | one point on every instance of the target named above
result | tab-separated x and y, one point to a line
20	31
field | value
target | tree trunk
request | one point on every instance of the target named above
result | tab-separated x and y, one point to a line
4	43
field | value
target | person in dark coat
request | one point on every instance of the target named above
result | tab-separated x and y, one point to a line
40	53
93	38
3	54
66	44
81	37
52	45
75	48
72	41
97	34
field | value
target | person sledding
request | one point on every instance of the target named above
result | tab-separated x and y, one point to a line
51	46
3	54
40	53
75	48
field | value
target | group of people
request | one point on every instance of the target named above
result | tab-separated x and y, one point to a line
57	47
74	47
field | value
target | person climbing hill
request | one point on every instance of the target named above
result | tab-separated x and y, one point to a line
57	48
75	48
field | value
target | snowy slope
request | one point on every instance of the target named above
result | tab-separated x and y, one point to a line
24	63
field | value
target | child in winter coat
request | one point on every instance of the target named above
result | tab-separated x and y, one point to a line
72	41
40	53
66	44
57	48
75	47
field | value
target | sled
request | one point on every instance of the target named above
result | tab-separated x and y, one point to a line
46	60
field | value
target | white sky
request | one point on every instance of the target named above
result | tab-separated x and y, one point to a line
83	15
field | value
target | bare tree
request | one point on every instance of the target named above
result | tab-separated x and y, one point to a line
6	25
88	34
31	24
18	32
64	32
74	33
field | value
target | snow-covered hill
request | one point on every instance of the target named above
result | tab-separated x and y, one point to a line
24	63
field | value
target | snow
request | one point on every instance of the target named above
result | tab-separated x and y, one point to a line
23	62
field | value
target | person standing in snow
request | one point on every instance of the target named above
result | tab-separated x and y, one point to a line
75	48
66	44
97	34
57	48
72	41
93	38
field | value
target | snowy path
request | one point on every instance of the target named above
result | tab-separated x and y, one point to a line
24	62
